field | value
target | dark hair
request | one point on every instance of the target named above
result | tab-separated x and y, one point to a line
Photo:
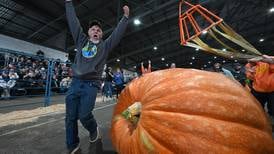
93	23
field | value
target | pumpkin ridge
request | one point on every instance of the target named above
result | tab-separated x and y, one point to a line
237	103
166	80
155	84
152	138
210	141
192	134
199	88
186	111
212	117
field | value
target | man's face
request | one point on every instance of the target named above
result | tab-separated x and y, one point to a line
95	33
217	65
238	67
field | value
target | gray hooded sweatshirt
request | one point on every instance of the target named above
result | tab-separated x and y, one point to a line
90	58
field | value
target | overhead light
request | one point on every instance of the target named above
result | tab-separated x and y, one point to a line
137	22
224	61
205	65
163	59
215	57
231	56
271	10
204	32
166	65
193	58
155	48
209	62
261	40
235	61
75	49
243	50
118	60
134	67
197	49
190	63
224	49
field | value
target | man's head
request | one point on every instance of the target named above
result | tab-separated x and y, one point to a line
237	66
217	66
173	65
95	32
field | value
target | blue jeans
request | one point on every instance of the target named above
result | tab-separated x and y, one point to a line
108	89
80	102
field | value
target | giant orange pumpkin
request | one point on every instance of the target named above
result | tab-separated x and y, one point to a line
189	111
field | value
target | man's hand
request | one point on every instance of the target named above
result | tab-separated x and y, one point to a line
268	59
255	59
126	11
264	58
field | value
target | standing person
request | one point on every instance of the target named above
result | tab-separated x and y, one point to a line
87	69
173	65
108	83
217	67
261	73
146	70
239	73
118	79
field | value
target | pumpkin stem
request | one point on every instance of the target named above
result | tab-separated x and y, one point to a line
132	113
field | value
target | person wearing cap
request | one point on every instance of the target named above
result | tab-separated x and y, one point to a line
92	52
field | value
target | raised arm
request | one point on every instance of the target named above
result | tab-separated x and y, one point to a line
142	68
117	34
73	22
149	66
268	59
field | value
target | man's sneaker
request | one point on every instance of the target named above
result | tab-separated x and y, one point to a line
76	150
95	136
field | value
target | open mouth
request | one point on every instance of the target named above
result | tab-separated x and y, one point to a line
95	36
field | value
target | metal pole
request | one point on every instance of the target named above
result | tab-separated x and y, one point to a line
50	80
47	83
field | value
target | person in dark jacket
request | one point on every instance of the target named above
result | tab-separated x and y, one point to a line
108	83
87	69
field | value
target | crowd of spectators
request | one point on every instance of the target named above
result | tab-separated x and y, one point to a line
22	75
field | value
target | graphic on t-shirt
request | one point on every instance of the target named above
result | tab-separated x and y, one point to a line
89	51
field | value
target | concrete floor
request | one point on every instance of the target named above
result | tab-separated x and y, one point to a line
47	134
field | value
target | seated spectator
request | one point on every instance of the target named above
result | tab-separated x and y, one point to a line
7	81
13	76
4	79
65	84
